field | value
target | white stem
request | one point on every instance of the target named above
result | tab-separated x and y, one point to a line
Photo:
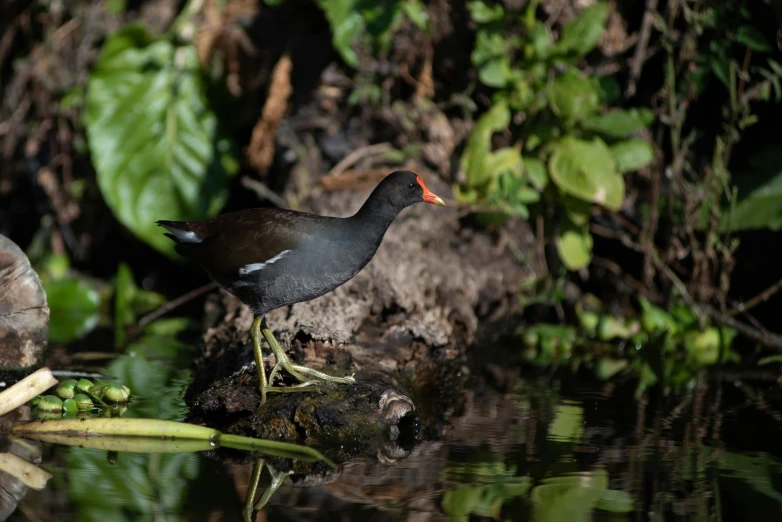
28	474
24	390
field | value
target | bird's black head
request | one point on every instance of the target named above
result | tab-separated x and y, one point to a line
404	188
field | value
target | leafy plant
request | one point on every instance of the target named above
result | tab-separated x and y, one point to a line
658	347
363	23
570	138
154	139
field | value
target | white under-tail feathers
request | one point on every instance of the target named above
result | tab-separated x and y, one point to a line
179	235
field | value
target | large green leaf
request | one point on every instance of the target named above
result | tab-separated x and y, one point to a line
632	154
153	138
760	193
477	161
573	96
74	309
574	245
587	170
619	123
580	35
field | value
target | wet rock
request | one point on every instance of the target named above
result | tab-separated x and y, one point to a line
24	315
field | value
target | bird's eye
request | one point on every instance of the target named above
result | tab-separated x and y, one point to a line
411	186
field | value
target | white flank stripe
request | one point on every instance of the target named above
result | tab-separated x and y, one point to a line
254	267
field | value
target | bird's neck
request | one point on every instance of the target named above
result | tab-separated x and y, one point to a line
375	216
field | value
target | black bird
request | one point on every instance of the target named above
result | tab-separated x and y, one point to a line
270	257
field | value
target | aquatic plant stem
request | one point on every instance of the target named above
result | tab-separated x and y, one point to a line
75	431
25	390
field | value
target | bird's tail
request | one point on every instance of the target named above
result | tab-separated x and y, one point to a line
180	231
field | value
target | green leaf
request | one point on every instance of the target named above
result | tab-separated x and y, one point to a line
574	245
153	138
484	14
760	193
609	89
751	37
619	123
415	11
616	501
607	367
477	154
347	27
580	35
573	96
587	170
130	301
74	309
536	173
495	72
490	56
632	155
568	425
540	42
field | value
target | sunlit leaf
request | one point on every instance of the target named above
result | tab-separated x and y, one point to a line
416	13
476	157
632	154
574	245
616	501
619	123
536	173
567	425
587	170
580	35
607	367
573	96
484	14
74	309
153	138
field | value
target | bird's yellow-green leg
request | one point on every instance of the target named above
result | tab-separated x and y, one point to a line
277	478
255	335
297	371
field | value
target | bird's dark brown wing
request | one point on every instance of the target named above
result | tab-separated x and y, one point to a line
233	241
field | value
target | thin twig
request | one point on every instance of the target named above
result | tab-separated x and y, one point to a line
358	154
263	192
640	50
174	303
761	297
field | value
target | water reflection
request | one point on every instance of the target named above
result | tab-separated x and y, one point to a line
545	450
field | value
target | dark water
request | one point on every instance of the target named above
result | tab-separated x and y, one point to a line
549	447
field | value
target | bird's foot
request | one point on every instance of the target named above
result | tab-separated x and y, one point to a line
299	372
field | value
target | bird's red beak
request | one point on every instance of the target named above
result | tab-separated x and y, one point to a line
429	196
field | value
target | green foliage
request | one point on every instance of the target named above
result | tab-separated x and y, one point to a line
658	347
587	170
569	136
130	301
155	141
760	194
136	487
357	22
74	309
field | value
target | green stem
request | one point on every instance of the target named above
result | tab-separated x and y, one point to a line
183	27
75	431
